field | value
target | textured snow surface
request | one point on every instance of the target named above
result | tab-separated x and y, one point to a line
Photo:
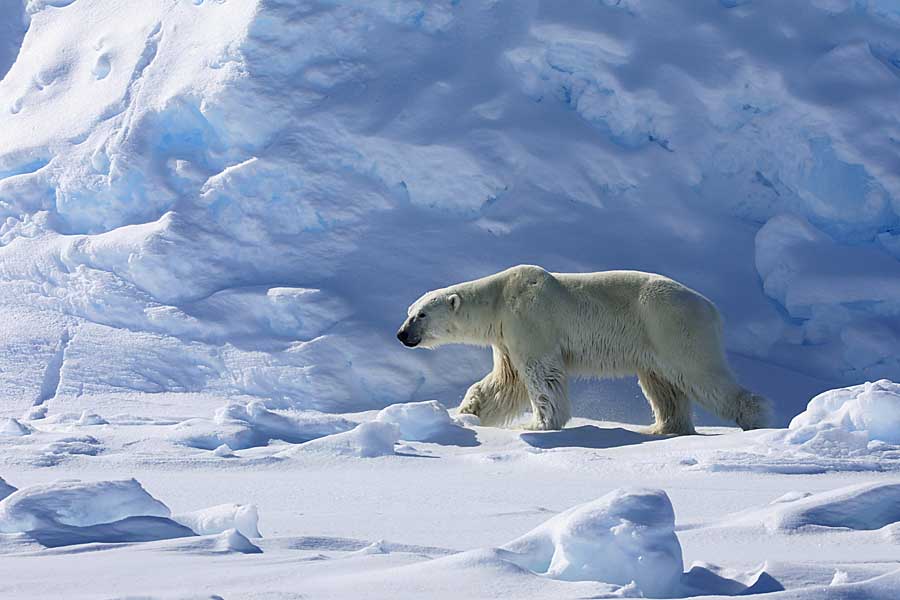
241	198
599	510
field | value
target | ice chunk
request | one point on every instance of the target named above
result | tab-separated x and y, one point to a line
873	409
87	418
14	428
5	489
418	421
624	536
367	440
217	519
233	540
245	425
76	503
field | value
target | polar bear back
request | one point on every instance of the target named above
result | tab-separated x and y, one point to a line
608	322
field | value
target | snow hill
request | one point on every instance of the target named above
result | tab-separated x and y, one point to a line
243	197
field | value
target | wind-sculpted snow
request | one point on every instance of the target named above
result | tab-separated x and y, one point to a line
242	197
625	537
847	429
67	513
77	504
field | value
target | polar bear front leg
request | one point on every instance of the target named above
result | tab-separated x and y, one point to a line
547	384
500	397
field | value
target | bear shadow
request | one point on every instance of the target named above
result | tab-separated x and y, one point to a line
454	435
586	436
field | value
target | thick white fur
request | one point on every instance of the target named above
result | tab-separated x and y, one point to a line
544	327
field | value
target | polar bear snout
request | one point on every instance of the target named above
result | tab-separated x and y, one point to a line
408	340
408	334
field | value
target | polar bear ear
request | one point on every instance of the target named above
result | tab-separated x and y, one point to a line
454	301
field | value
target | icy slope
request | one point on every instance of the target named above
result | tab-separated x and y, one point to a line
242	197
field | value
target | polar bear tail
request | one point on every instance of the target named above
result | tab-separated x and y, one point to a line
753	411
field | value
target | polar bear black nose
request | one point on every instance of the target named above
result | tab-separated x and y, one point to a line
402	335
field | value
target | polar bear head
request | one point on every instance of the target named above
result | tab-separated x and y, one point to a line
432	320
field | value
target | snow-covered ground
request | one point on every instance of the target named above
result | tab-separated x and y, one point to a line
213	214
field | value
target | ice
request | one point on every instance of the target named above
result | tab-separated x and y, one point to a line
14	428
233	540
245	425
872	409
147	206
863	507
625	536
366	440
76	503
419	421
856	428
241	517
5	489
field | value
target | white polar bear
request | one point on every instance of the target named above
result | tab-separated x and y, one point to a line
544	327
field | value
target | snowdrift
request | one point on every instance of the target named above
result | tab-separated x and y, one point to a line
626	536
846	429
72	512
242	197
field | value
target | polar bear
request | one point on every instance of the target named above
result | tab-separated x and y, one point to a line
544	327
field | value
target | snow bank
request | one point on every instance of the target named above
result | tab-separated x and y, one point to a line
366	440
856	428
66	513
871	411
243	518
625	536
223	188
246	425
76	503
862	507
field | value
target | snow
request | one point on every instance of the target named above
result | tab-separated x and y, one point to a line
220	519
366	440
213	215
425	421
854	428
76	503
5	489
863	507
872	409
627	536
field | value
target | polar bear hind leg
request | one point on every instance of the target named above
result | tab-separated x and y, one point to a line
671	406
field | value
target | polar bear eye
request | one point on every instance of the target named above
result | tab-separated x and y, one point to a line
421	315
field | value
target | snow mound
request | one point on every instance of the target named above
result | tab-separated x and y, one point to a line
13	428
243	518
855	428
625	536
427	421
233	540
417	421
76	503
5	489
871	410
862	507
366	440
247	425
